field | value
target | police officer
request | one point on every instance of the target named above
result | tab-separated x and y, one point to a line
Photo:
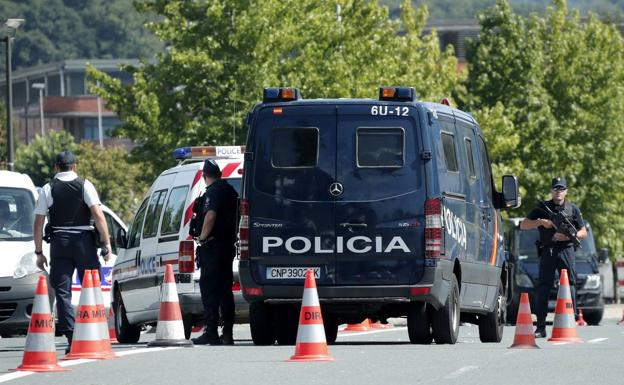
556	250
216	254
71	204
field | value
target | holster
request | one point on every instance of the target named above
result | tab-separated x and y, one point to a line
47	233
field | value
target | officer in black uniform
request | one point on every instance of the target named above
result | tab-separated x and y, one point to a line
72	206
556	250
216	254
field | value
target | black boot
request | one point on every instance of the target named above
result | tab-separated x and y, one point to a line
540	332
70	336
227	335
208	338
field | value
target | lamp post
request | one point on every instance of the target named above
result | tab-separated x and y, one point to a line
12	25
40	87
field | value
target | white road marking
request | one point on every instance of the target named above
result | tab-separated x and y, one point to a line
350	334
596	340
458	373
123	353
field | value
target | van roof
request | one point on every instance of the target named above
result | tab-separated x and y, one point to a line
16	180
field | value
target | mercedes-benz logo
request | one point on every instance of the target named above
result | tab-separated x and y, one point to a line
336	189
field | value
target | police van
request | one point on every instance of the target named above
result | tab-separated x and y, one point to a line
159	235
390	202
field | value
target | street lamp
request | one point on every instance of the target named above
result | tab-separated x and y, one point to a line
40	87
11	25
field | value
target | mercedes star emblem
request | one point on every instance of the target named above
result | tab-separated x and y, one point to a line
336	189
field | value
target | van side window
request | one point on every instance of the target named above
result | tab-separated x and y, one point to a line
485	164
174	210
380	147
448	145
471	166
134	239
294	147
153	213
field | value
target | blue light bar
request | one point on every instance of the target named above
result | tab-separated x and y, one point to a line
182	153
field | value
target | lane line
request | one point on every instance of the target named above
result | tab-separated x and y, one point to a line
596	340
122	353
461	371
350	334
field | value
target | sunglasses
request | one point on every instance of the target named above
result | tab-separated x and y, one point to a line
559	189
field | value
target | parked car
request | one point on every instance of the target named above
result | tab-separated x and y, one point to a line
524	262
159	235
18	271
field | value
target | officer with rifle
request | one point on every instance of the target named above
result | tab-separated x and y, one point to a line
561	227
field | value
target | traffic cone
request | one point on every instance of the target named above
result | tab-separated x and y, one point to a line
170	328
87	341
581	321
564	327
379	325
112	334
311	342
524	337
104	334
361	327
39	352
621	322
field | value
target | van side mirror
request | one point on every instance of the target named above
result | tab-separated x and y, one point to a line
121	239
603	255
511	192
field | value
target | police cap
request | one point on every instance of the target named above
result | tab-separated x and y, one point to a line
65	158
559	182
211	169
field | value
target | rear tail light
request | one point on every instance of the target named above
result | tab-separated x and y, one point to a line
243	230
253	291
236	286
434	247
186	257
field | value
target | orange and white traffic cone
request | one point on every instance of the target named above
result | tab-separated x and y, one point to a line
379	325
99	300
170	328
87	341
524	337
112	334
39	352
311	342
564	327
581	321
361	327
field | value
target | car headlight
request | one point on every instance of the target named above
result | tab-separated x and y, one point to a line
26	265
523	280
592	281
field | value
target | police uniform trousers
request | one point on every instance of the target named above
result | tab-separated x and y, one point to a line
69	252
215	283
551	259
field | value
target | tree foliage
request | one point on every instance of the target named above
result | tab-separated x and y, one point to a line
222	53
114	177
559	82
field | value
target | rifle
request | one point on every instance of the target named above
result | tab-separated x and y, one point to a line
563	225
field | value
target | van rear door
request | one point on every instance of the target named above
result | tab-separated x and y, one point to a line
291	224
380	212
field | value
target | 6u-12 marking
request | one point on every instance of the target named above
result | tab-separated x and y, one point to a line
386	110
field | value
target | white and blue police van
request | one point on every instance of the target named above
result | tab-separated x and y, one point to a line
159	235
390	202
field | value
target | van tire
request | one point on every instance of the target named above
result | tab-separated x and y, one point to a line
593	318
419	323
491	325
260	324
286	322
126	332
445	320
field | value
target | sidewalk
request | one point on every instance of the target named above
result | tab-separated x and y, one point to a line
613	311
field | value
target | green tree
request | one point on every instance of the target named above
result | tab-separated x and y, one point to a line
116	180
222	53
560	82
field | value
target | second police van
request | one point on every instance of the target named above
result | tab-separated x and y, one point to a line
390	202
159	235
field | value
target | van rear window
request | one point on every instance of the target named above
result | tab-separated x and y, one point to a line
294	147
380	147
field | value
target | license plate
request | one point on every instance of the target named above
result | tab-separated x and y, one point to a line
291	272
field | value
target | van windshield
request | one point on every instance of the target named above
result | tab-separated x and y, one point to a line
528	249
16	214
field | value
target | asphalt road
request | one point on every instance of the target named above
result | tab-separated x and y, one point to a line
378	357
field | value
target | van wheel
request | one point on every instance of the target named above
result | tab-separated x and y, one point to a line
126	332
260	324
330	324
445	320
491	325
419	323
593	318
286	321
